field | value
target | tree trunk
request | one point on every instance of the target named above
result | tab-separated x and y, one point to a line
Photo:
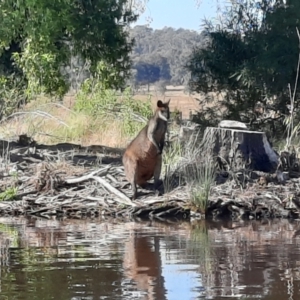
236	149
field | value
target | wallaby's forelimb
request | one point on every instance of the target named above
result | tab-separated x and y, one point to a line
150	134
162	144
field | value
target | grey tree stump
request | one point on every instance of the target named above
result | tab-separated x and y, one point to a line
239	148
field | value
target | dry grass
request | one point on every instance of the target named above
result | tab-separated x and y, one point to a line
50	123
180	100
186	104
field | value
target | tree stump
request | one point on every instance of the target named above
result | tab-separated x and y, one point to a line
236	149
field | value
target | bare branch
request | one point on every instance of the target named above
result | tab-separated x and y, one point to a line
113	190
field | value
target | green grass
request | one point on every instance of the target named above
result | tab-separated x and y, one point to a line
199	173
185	162
171	160
9	194
200	178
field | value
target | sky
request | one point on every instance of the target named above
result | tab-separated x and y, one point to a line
178	13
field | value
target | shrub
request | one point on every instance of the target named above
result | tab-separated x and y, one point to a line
99	102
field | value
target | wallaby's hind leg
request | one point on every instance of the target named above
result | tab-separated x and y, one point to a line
130	167
134	190
134	167
157	172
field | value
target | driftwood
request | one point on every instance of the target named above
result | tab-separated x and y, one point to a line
255	202
67	182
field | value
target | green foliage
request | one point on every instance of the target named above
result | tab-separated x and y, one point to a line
94	99
99	102
39	37
135	113
42	71
176	116
10	94
251	56
9	194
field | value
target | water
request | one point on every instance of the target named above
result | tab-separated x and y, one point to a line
94	259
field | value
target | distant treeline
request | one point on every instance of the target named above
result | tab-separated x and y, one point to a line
161	55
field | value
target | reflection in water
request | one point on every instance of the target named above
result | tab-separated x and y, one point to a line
142	263
93	259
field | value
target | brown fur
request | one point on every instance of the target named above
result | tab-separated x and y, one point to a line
143	157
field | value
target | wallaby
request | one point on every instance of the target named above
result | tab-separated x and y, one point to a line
143	157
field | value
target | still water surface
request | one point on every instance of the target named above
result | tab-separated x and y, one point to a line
94	259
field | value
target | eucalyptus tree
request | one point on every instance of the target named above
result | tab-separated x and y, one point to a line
251	56
39	37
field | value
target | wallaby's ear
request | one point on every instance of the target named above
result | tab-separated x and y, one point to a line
159	103
168	101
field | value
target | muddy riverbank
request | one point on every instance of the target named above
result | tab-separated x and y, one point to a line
68	180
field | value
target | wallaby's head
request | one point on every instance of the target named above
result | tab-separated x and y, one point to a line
163	110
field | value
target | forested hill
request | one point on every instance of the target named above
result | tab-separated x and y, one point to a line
162	54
